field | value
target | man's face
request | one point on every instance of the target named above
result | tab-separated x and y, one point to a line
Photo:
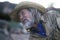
25	15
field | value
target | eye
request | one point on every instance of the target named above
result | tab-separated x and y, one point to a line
22	12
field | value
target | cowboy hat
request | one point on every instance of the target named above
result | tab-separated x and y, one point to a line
23	5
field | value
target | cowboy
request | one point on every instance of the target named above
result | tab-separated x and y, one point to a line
29	15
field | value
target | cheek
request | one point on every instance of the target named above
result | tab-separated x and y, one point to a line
28	16
26	13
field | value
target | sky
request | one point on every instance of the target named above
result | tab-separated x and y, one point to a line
45	3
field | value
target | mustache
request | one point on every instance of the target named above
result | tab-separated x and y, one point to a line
27	24
26	20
